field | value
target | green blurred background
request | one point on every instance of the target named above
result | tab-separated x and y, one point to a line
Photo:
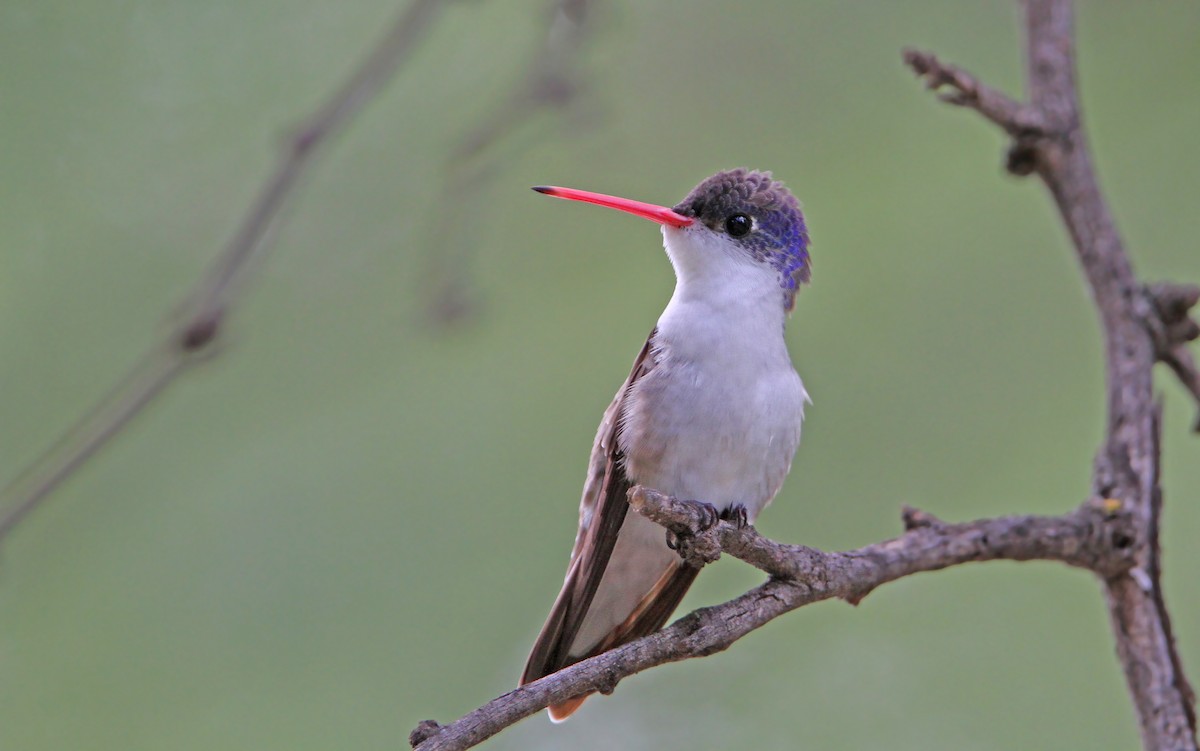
354	519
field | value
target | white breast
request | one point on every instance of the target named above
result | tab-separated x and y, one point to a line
718	418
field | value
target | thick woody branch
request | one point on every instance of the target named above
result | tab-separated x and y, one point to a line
1096	536
1141	326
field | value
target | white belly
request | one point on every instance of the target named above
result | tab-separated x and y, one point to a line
700	436
716	419
707	432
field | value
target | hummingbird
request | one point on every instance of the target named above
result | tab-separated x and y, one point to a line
711	411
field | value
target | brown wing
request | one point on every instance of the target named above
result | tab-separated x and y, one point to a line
649	616
601	514
654	609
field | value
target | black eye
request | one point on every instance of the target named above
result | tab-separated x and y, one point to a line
738	225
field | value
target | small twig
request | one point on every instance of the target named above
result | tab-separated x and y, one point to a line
1096	536
964	90
1179	359
1174	303
201	319
915	518
1172	328
1027	125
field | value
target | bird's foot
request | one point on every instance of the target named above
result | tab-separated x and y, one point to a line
697	546
704	517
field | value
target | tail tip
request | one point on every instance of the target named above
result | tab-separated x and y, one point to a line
561	711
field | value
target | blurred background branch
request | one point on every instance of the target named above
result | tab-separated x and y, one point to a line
554	81
199	322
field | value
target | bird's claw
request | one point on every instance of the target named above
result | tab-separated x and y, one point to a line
736	515
673	540
707	518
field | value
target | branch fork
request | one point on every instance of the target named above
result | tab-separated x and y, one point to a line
1038	140
1172	327
1114	534
1029	127
1142	325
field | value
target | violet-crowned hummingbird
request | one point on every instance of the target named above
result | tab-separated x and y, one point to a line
711	411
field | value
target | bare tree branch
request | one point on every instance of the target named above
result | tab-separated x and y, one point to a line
1097	536
1127	465
958	87
198	324
1115	534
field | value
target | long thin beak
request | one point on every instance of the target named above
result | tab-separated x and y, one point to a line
654	213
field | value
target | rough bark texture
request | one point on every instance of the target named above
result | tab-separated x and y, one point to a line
1096	536
1114	534
1141	326
1128	462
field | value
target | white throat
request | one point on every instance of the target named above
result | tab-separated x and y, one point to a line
724	300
